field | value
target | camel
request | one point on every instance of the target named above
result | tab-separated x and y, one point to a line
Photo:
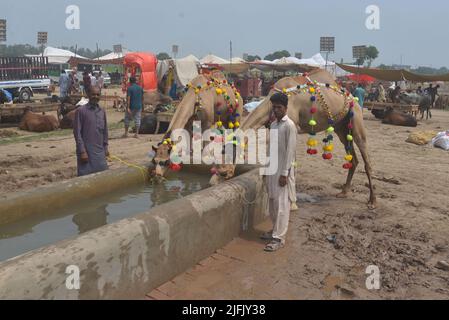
299	111
215	101
68	120
424	102
38	122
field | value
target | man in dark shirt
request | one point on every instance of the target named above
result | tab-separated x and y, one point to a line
90	129
134	102
86	83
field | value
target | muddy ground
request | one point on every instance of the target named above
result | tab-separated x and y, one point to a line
406	236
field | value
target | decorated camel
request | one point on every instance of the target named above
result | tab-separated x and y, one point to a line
317	104
209	99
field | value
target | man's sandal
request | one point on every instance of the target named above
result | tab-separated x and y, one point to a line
273	246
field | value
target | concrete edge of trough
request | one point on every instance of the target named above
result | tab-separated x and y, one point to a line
129	258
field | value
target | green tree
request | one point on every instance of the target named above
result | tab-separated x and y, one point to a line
163	56
277	55
371	54
252	58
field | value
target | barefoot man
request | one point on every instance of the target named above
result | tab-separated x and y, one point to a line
134	102
281	185
90	129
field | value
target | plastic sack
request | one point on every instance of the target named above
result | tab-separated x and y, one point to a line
441	140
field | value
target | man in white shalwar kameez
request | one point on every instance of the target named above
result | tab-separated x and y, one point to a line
281	185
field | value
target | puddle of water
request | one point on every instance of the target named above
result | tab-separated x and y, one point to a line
46	228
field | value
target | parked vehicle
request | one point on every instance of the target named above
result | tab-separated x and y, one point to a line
23	76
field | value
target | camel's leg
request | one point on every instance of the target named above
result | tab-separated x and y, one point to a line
342	133
360	140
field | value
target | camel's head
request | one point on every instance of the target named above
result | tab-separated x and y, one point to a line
221	173
161	161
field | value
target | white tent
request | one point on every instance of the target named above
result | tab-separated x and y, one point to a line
212	59
59	56
114	55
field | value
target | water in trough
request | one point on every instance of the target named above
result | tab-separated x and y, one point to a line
47	228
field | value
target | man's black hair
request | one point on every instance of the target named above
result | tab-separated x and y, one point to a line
132	79
279	98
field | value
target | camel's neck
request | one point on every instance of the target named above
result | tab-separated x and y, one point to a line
258	117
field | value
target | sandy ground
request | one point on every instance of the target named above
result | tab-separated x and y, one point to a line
405	236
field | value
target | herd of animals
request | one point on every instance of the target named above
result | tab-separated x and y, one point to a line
214	108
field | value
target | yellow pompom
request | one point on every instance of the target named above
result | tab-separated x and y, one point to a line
328	148
230	125
312	90
348	158
165	142
237	124
219	124
197	90
312	123
312	143
356	99
330	130
218	91
349	137
284	90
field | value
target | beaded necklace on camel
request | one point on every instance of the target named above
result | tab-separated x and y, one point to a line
314	89
220	91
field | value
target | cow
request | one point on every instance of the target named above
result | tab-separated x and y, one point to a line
398	118
37	122
424	102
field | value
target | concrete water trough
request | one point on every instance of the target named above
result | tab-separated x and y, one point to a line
128	257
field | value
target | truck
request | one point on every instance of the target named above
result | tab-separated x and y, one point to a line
24	76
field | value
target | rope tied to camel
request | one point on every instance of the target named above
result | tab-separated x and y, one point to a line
142	170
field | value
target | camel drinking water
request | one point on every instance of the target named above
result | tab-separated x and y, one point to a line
208	99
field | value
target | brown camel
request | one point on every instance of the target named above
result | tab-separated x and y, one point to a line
206	98
38	122
299	111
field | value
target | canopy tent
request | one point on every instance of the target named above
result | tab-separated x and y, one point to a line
185	69
394	75
361	78
292	64
115	55
57	56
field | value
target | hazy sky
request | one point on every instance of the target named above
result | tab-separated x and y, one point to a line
417	30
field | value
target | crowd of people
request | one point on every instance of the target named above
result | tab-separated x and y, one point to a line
70	84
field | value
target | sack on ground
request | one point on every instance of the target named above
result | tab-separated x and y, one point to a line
441	140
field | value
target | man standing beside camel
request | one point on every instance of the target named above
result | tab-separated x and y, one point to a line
281	183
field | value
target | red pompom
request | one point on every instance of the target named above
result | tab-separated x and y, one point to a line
327	156
347	166
350	126
313	110
213	171
175	167
312	151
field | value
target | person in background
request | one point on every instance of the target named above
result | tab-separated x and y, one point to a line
382	95
359	93
419	91
100	81
90	129
134	103
93	80
64	84
87	83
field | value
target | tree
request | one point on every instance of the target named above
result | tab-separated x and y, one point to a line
163	56
277	55
253	58
371	54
